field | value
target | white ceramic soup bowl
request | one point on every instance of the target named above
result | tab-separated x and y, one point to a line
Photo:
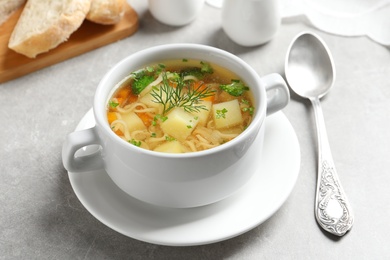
175	180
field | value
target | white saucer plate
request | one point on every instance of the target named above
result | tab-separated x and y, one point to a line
276	171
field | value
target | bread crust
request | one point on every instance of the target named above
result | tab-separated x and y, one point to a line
106	11
55	34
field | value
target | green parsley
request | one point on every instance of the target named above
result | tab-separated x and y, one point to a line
206	68
221	113
169	138
248	109
235	88
113	104
142	78
149	69
245	101
158	117
135	142
198	72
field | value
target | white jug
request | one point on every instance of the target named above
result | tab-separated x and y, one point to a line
251	22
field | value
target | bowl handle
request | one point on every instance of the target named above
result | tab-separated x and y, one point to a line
278	94
76	141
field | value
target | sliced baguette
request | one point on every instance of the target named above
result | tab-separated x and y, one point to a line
106	11
43	25
7	7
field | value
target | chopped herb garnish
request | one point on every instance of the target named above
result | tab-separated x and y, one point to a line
153	135
251	110
135	142
158	117
113	104
248	109
141	84
206	68
235	88
169	138
189	126
245	101
221	113
142	78
197	72
174	77
150	69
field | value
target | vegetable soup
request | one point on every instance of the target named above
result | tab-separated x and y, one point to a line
180	106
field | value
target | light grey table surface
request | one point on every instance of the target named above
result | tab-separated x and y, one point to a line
41	217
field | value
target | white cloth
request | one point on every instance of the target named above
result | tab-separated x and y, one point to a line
343	17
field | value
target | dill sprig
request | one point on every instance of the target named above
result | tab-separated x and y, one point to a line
184	95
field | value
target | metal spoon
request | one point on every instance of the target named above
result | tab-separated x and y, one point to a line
310	73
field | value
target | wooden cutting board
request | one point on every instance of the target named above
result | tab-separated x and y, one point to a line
88	37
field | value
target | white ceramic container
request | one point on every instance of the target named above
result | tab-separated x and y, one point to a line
175	180
251	22
175	12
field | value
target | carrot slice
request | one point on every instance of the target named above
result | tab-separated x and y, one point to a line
146	118
119	100
209	98
132	98
200	86
173	84
111	117
125	95
119	132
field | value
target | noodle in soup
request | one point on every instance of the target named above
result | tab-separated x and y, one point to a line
180	106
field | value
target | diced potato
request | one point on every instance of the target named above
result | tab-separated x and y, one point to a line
179	124
203	115
133	122
170	147
227	114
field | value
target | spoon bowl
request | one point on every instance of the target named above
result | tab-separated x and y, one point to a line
309	67
310	73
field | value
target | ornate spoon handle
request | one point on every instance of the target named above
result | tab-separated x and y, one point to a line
332	209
